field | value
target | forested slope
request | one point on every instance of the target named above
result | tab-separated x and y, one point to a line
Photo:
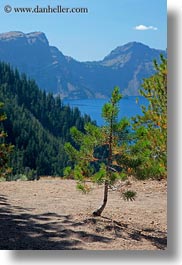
37	125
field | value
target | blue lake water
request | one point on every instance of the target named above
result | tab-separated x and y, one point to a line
93	107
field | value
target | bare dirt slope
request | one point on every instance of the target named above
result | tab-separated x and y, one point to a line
52	214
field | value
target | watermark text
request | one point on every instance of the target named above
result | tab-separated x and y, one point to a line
48	9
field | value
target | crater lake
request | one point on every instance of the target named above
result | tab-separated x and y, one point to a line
128	107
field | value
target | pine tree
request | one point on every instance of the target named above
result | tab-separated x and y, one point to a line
5	149
97	150
150	149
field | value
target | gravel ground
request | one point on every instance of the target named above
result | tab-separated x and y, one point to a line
52	214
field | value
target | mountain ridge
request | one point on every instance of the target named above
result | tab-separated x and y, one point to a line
125	66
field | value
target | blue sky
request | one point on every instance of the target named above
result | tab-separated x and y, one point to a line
91	36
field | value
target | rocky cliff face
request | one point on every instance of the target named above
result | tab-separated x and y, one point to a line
26	51
125	66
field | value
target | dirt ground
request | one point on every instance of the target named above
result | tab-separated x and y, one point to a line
52	214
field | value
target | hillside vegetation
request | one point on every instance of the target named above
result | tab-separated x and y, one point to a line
37	124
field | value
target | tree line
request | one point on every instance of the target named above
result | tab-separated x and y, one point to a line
36	124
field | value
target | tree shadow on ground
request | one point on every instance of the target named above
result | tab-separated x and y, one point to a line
157	238
22	230
131	232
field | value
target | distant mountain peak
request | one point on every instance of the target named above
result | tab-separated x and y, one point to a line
30	37
38	35
125	66
126	48
132	44
10	35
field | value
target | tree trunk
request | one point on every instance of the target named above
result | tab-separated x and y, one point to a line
99	211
